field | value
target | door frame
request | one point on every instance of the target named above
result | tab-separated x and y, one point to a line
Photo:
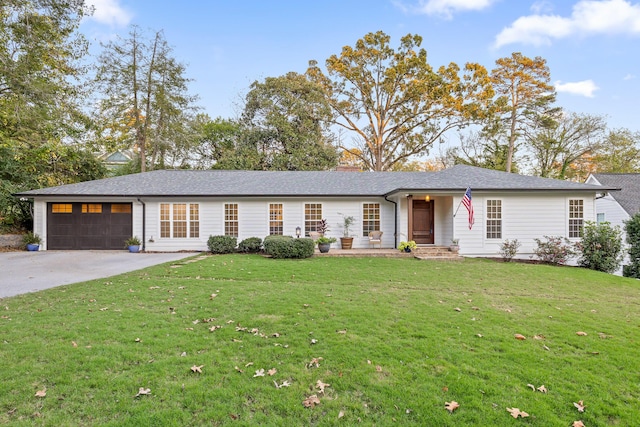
432	222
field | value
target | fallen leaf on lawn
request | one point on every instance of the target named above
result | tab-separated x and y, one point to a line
305	305
314	362
582	334
275	335
238	369
213	296
259	373
378	368
508	310
285	383
475	308
248	364
445	389
457	309
603	335
340	414
314	341
479	335
272	372
532	387
368	362
236	340
515	413
197	369
311	401
538	337
519	337
322	385
137	340
546	348
73	343
41	393
143	391
451	406
344	331
542	389
580	406
214	327
229	322
195	322
577	424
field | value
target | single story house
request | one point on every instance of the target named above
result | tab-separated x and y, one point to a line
177	210
617	206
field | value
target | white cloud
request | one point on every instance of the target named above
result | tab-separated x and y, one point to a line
583	88
588	17
446	8
110	12
629	77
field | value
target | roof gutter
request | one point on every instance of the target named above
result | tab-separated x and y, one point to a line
144	223
395	222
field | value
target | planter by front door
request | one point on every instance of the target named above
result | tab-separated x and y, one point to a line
346	242
324	247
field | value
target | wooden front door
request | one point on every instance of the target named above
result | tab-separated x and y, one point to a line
422	222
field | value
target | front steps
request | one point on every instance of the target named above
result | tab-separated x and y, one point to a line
441	253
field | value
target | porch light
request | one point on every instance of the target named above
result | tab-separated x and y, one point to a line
298	232
427	198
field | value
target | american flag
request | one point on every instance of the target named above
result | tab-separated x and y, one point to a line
466	201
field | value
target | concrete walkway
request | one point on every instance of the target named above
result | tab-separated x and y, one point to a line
22	272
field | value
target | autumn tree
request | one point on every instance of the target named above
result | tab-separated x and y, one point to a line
524	98
557	143
145	102
284	126
394	102
477	149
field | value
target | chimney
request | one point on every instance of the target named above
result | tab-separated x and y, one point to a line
347	168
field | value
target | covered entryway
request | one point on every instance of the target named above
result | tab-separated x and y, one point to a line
421	221
88	225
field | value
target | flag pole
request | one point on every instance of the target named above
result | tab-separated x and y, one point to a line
458	208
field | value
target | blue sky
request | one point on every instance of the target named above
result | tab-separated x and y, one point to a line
592	47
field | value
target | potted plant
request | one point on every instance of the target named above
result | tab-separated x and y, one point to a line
133	244
32	241
324	243
407	246
346	241
454	247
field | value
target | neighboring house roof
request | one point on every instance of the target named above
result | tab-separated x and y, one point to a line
201	183
629	184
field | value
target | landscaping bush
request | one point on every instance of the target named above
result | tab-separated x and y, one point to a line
632	228
601	247
250	245
554	250
222	244
288	247
509	249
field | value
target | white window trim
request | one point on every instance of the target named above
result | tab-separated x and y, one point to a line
486	218
362	216
171	220
584	207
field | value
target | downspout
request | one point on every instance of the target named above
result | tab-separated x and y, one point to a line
144	223
395	222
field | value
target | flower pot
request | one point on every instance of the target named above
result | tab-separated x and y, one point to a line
454	248
407	249
33	247
324	247
134	249
346	242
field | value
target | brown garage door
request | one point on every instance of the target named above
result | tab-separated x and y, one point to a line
88	225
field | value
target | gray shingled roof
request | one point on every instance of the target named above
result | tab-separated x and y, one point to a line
199	183
629	184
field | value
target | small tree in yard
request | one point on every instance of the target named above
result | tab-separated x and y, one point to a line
509	249
554	250
601	247
632	228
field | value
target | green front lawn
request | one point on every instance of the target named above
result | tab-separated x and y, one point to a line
394	338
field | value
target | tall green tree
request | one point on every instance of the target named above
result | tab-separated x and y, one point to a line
557	143
145	101
216	139
618	153
394	102
524	98
284	126
40	71
476	149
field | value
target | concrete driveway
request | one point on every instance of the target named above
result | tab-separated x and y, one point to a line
22	272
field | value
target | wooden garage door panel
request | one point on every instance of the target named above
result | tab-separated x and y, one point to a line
78	230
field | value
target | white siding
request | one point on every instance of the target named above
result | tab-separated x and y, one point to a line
525	216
